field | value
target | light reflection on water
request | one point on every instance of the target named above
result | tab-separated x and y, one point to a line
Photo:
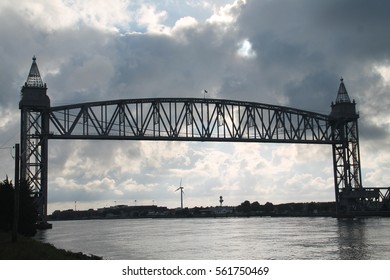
225	238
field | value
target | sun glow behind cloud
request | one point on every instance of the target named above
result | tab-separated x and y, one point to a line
384	71
245	49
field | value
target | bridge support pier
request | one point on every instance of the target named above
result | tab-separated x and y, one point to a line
350	195
34	106
346	165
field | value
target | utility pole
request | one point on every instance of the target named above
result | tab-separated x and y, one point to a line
16	196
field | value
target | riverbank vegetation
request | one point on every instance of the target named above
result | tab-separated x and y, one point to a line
27	211
27	248
24	247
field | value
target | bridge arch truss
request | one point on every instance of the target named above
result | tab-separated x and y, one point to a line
188	119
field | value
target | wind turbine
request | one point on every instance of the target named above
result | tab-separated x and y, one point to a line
181	194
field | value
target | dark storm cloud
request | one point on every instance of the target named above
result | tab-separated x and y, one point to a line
304	47
342	28
11	48
316	91
372	131
359	27
305	35
158	65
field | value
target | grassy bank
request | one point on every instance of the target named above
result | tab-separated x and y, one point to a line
29	249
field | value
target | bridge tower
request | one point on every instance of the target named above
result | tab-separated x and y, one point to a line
350	194
34	106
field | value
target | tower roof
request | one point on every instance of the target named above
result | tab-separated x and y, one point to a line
342	94
34	78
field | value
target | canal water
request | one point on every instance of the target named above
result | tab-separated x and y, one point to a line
225	238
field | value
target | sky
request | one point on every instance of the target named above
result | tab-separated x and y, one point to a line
290	53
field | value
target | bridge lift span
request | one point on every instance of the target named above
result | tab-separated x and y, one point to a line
193	119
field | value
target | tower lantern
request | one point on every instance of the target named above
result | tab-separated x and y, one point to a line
343	108
34	94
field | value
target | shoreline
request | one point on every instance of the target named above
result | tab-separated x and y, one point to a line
28	248
245	209
327	215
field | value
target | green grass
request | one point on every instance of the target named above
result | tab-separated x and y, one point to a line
29	249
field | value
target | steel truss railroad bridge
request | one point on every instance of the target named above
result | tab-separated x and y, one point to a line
193	119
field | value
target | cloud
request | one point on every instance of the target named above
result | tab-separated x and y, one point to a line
152	19
59	15
316	41
226	14
290	53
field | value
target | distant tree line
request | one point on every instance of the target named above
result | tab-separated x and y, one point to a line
27	210
250	208
288	209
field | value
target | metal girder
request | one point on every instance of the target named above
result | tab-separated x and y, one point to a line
34	156
349	191
189	119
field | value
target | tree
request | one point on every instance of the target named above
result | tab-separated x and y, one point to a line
255	206
27	211
28	214
6	205
244	207
268	207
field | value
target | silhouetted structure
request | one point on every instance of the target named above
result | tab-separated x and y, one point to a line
27	211
34	132
194	119
181	195
351	197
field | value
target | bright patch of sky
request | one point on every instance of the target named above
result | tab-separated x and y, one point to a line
245	49
384	71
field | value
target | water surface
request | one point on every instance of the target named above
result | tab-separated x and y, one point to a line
225	238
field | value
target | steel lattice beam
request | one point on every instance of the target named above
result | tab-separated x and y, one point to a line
34	156
187	119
